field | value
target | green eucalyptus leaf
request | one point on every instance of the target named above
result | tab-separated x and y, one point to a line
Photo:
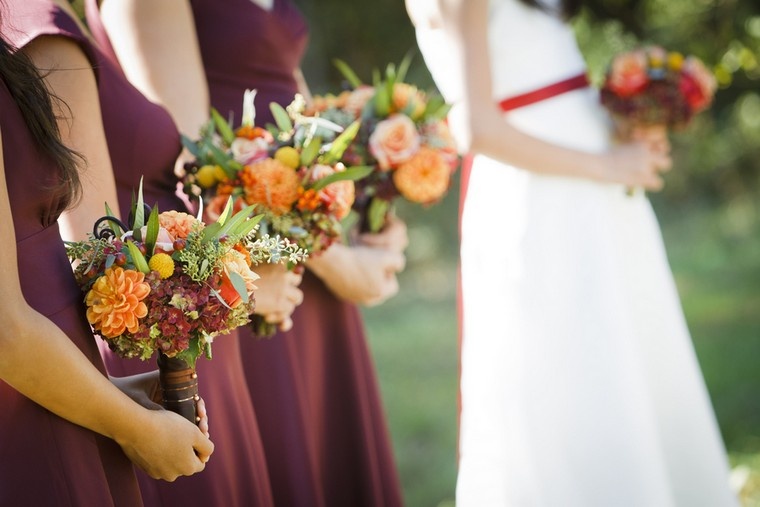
152	233
281	117
191	146
341	144
378	210
139	209
403	67
138	259
352	173
239	284
310	151
222	127
347	72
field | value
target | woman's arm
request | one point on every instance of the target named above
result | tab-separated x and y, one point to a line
40	362
69	76
486	132
157	47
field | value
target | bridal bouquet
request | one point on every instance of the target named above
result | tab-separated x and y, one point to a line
287	173
653	88
404	137
168	284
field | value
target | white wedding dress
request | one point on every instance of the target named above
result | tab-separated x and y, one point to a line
580	386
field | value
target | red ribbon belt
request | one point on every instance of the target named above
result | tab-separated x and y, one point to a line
547	92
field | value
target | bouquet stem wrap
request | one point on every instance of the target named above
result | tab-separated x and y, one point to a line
179	386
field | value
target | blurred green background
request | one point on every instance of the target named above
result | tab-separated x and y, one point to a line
708	212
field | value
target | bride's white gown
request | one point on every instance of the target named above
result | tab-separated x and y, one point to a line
580	386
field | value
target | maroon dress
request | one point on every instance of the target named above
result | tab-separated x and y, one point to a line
314	387
46	460
143	142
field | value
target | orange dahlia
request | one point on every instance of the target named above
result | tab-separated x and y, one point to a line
177	224
114	304
424	178
271	183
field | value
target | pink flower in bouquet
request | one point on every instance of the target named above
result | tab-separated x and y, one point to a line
247	151
115	302
271	183
339	196
178	224
629	73
235	262
424	178
697	84
394	141
358	98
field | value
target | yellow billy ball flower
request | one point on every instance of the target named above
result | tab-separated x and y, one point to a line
163	264
288	156
206	176
675	61
220	174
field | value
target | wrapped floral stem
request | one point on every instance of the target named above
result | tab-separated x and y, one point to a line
179	387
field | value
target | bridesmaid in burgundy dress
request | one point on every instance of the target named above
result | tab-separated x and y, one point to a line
314	387
143	142
60	413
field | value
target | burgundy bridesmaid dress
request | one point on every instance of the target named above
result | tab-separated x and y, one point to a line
46	460
143	142
314	387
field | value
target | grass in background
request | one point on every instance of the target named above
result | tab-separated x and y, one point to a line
715	256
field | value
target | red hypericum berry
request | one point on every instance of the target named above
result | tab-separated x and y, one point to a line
120	259
179	244
142	248
223	238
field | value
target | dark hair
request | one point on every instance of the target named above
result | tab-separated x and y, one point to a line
568	8
36	105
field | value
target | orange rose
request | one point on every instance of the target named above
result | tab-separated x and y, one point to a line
338	196
394	141
424	178
628	75
271	183
114	304
235	262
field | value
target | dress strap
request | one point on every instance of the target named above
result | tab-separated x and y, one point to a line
546	92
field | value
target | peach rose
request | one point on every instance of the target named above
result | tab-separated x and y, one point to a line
247	151
394	141
424	178
114	304
235	262
178	224
358	98
405	95
628	75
